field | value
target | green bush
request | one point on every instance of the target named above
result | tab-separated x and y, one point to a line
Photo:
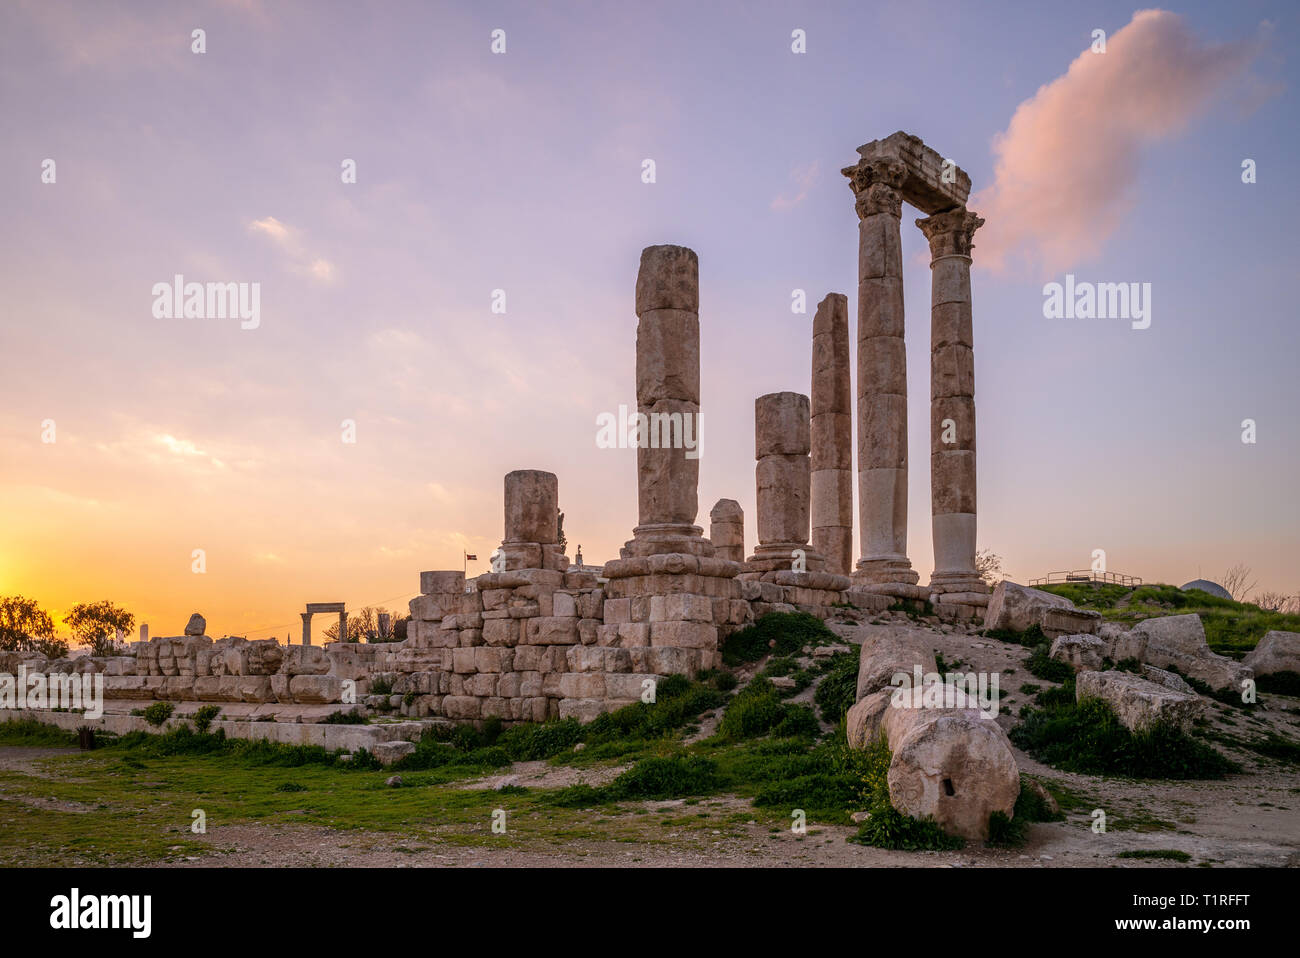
1030	638
758	710
535	741
839	688
678	702
777	633
889	828
158	713
676	776
1087	737
381	686
1042	666
205	716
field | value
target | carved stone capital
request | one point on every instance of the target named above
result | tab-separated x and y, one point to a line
950	233
877	185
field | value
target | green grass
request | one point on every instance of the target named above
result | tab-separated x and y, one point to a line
1087	737
777	633
1043	666
839	687
1279	683
1167	854
1231	627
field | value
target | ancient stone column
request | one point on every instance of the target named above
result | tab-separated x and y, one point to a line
952	401
306	627
832	435
882	373
783	477
727	530
668	397
532	509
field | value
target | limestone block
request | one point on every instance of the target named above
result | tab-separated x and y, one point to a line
668	278
888	650
1017	608
1276	652
1179	641
627	685
450	582
532	500
1137	702
784	483
680	607
955	769
197	625
1083	652
552	630
781	425
690	635
502	632
464	661
461	707
668	356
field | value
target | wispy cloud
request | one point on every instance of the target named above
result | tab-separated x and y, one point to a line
804	178
1068	162
289	239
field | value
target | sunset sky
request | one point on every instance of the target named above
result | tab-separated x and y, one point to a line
522	172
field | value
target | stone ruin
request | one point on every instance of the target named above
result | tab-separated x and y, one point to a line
535	640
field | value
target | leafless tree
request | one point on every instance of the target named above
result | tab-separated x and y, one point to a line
989	565
1271	601
1239	581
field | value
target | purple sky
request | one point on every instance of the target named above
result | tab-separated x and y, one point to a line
522	172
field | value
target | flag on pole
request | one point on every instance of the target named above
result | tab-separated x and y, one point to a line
471	557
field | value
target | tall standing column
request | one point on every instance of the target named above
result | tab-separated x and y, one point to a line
668	403
727	530
882	373
832	435
952	401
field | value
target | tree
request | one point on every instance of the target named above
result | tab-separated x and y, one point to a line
95	624
1272	601
26	627
364	623
1238	581
560	539
989	565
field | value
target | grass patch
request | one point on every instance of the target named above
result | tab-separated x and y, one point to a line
778	633
839	687
1279	683
1042	666
757	710
1087	737
1167	854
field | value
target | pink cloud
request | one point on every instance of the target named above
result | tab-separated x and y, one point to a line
1067	163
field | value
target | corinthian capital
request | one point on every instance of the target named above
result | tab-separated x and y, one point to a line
950	233
877	185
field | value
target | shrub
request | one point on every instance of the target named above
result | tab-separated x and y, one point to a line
889	828
381	686
758	710
1030	638
779	633
676	776
205	716
1088	737
678	702
535	741
158	713
839	688
1042	666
